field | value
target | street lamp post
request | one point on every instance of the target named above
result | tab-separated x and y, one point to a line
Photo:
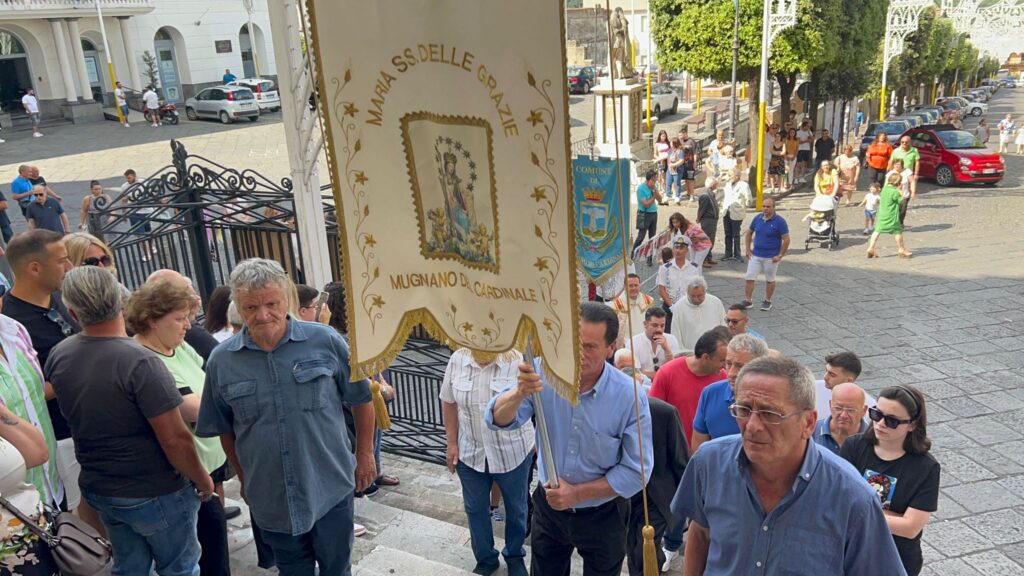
777	16
733	111
900	20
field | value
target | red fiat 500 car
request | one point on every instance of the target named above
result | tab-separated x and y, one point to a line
954	156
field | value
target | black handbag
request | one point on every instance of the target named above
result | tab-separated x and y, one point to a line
75	546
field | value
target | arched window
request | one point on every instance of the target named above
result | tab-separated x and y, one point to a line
10	45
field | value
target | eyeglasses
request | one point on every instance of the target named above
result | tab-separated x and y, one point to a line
767	416
102	261
837	410
891	422
55	316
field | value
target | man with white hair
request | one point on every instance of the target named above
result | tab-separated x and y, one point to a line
845	417
695	314
140	469
274	395
623	360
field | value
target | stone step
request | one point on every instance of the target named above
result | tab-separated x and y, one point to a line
385	561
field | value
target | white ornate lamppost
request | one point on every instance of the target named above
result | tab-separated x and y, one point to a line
901	19
777	16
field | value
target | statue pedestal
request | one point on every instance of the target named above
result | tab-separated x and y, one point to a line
625	102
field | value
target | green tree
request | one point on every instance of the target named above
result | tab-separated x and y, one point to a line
695	35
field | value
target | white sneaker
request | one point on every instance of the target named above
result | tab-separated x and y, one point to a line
37	134
2	140
670	555
127	125
358	529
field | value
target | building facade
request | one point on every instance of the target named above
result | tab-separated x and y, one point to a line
587	33
56	48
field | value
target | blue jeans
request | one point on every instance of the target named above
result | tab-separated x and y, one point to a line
673	539
148	533
673	179
327	546
476	494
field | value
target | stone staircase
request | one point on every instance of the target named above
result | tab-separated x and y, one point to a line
415	529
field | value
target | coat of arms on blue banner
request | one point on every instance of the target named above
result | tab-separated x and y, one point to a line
602	208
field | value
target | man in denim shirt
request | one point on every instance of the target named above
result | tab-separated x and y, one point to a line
274	395
771	501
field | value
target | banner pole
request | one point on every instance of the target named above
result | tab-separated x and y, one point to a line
546	456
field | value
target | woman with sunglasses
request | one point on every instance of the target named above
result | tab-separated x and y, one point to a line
84	249
892	455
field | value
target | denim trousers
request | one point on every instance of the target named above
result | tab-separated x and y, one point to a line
146	533
476	494
327	546
673	180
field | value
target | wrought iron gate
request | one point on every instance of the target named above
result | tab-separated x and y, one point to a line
201	218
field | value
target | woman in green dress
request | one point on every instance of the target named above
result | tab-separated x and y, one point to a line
888	220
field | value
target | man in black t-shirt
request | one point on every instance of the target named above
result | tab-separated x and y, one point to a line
39	261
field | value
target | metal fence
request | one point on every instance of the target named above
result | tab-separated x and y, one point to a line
201	218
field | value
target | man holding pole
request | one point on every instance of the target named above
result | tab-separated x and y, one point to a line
596	450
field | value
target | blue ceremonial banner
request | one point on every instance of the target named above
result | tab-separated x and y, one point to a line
602	214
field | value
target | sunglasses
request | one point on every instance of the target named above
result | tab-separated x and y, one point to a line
891	422
55	317
102	261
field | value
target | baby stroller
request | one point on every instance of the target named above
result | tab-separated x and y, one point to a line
822	229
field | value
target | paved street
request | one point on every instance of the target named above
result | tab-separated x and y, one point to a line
948	321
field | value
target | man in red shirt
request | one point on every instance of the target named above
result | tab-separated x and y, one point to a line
681	381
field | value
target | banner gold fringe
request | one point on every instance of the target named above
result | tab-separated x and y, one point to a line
370	368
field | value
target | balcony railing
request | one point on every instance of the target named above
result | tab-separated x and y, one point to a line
71	8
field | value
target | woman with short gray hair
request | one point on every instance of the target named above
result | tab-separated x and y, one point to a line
92	294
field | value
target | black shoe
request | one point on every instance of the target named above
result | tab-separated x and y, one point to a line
486	569
516	567
371	490
232	512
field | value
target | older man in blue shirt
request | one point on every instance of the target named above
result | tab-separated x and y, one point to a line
770	501
274	395
596	453
846	417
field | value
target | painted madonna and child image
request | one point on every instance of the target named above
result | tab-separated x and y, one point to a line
451	173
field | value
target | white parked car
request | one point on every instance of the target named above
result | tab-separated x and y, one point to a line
265	91
664	100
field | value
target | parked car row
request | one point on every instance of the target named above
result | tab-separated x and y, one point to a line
241	98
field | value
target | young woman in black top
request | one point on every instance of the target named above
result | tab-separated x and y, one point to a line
893	457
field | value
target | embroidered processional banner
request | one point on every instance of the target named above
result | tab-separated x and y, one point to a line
446	125
601	193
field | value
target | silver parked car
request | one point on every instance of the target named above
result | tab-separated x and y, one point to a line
226	103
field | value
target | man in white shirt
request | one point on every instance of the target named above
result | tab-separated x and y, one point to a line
673	276
840	368
31	105
630	306
122	102
482	456
735	199
152	105
652	348
803	153
695	314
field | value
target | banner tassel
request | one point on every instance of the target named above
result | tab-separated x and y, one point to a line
380	409
650	552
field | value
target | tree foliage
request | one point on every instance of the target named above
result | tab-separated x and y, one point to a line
851	72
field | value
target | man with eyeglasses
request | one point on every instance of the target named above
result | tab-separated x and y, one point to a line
40	260
845	417
46	213
737	319
770	500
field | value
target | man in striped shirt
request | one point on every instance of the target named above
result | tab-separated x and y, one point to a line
482	456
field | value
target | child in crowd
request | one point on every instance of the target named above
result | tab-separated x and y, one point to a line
870	204
666	254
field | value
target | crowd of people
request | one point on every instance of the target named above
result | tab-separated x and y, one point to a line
763	468
133	416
